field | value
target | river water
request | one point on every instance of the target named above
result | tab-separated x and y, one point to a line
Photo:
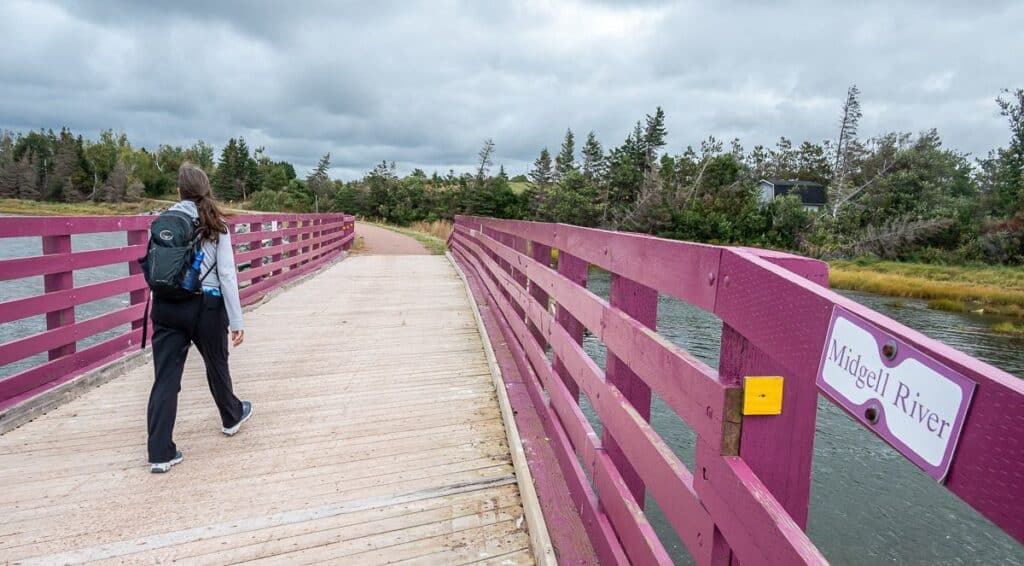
868	504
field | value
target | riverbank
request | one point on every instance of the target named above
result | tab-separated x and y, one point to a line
46	208
37	208
996	290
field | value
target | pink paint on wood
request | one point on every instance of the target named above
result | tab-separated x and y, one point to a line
62	262
58	264
683	270
254	247
540	253
57	281
686	384
33	381
32	226
775	309
67	334
641	304
38	304
595	522
813	270
669	480
757	528
778	448
139	295
568	536
576	271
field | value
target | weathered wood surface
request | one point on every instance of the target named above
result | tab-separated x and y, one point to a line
376	437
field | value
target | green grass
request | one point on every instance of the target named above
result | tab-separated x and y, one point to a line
958	288
518	187
1007	327
37	208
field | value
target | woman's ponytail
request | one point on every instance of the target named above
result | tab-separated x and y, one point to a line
195	186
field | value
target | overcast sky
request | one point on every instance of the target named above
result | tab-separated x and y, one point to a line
424	83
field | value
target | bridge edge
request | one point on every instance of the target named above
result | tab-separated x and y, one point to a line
540	538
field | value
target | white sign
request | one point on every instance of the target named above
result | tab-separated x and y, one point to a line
908	398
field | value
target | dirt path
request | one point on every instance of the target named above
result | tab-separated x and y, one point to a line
381	241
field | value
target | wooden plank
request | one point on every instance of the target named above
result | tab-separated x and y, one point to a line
641	304
54	339
18	268
756	526
38	304
684	270
576	271
570	539
669	480
686	384
625	513
24	226
422	421
540	541
52	282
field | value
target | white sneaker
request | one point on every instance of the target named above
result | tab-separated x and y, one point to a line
163	467
246	413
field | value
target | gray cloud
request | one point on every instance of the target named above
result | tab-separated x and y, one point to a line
424	83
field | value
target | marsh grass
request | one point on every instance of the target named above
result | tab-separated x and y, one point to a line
37	208
440	229
991	289
1007	327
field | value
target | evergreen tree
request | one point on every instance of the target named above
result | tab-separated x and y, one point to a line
484	161
593	158
565	161
542	175
61	184
236	174
319	182
654	137
1008	188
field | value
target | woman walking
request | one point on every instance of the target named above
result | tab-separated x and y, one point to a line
203	319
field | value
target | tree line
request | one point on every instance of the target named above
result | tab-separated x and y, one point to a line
897	195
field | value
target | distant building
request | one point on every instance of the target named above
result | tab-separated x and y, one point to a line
811	194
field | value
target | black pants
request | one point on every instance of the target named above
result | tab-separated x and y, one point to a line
201	320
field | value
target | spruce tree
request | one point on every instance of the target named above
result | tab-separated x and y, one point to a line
541	174
565	161
593	158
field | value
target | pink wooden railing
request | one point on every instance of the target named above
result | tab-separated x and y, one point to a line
270	249
747	499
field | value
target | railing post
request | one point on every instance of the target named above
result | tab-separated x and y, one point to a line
136	238
575	270
59	282
306	227
255	245
348	228
778	448
518	244
274	242
541	253
641	303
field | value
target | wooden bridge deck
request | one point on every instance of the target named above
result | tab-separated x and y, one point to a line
376	438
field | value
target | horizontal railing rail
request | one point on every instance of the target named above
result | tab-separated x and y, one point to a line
270	250
747	497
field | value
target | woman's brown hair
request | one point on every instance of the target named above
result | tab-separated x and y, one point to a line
194	185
